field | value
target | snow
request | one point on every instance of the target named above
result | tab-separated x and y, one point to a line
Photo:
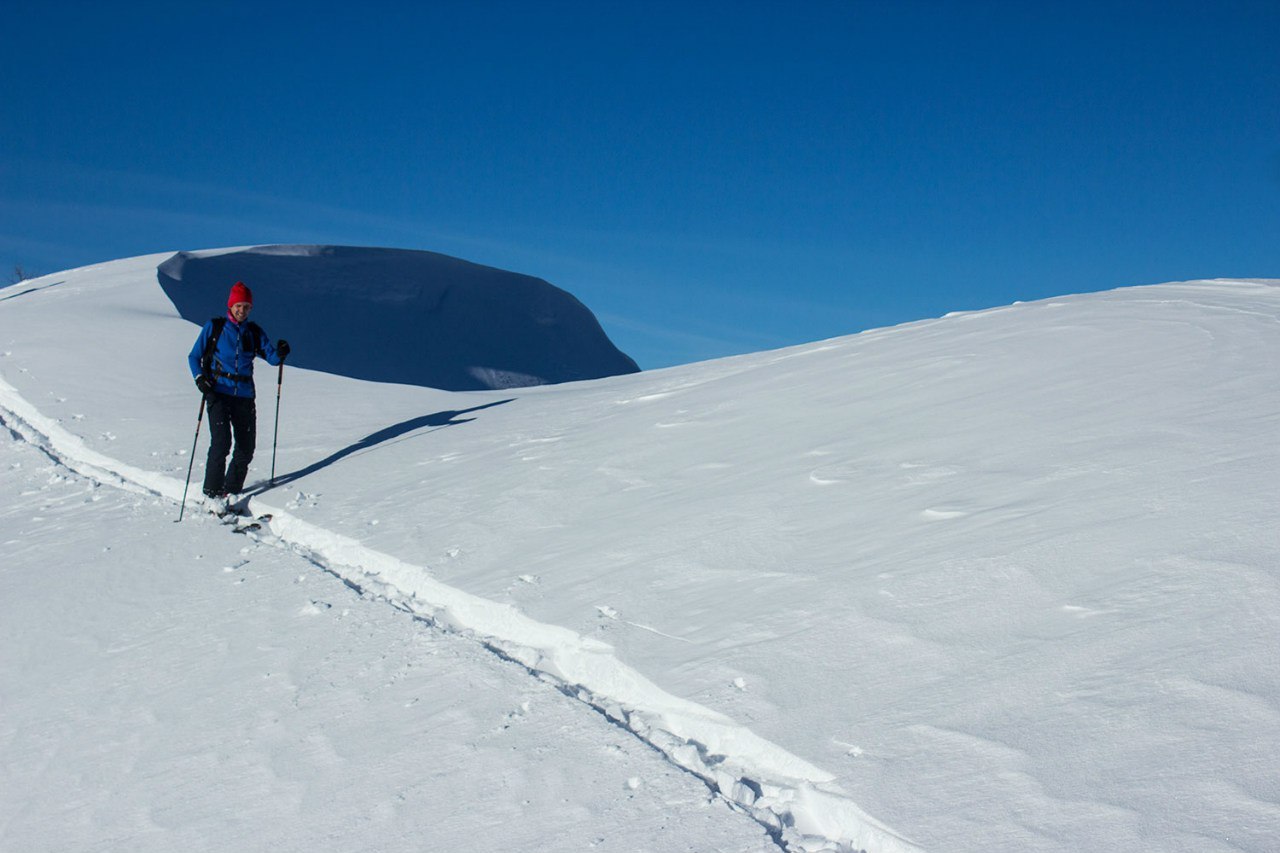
394	315
1005	580
203	691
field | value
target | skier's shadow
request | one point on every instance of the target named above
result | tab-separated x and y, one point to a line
438	420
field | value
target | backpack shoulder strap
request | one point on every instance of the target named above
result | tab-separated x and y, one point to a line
206	361
255	332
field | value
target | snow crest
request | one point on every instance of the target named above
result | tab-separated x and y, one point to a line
411	317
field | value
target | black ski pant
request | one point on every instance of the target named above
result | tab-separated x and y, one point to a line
229	417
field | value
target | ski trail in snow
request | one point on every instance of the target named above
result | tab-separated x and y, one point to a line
654	631
795	800
610	613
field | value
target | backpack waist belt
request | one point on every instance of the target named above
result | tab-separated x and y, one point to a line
234	377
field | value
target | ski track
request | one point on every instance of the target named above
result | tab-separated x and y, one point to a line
793	799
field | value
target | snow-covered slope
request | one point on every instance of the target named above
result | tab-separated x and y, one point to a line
1006	580
394	315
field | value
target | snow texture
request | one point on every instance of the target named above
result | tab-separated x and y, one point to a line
393	315
1006	580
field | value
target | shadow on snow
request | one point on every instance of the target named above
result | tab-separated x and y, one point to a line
438	420
30	290
406	317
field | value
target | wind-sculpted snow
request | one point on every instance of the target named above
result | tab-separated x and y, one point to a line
789	795
392	315
1004	580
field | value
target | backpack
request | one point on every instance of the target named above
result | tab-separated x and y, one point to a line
255	338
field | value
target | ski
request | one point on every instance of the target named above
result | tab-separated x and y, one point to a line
236	514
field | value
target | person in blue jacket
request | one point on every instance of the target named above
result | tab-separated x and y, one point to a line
222	363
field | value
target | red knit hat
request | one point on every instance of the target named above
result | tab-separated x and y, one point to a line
239	293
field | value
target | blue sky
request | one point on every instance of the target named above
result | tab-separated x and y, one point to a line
709	177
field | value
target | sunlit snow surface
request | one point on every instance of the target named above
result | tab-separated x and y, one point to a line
1005	580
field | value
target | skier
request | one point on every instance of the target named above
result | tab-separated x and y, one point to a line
222	363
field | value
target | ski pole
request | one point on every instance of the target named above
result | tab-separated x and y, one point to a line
276	435
191	464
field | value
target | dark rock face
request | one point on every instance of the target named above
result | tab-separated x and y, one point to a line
393	315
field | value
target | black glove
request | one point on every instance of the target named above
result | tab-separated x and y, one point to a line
282	349
204	383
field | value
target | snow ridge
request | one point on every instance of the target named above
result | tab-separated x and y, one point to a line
795	800
417	318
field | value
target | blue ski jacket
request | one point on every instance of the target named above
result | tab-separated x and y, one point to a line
232	363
